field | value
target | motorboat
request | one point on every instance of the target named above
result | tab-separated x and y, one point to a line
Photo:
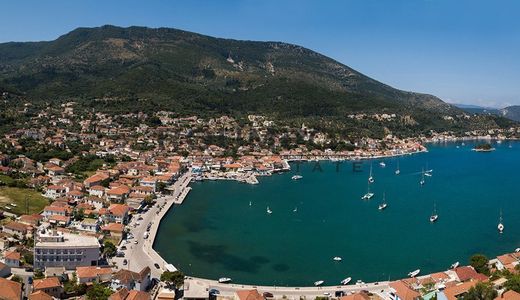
383	204
517	250
224	280
296	177
382	164
500	224
318	283
269	211
337	258
414	273
455	265
295	209
346	280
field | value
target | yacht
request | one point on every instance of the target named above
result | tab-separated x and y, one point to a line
382	164
500	224
368	195
434	215
224	280
269	211
383	205
455	265
318	283
370	177
296	177
337	258
414	273
346	280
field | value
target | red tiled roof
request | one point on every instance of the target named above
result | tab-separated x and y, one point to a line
40	284
10	290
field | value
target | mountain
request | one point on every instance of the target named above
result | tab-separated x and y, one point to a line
142	69
476	109
511	112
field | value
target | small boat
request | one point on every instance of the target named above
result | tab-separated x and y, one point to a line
500	224
368	195
359	282
428	174
346	280
517	250
434	215
370	177
383	205
250	203
296	177
414	273
224	280
318	283
463	144
422	182
455	265
295	209
269	211
397	171
382	164
337	258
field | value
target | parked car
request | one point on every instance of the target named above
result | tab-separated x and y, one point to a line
156	265
214	292
268	295
125	262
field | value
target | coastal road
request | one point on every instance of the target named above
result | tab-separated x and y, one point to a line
141	254
379	288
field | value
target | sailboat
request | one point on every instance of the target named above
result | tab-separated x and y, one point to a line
422	182
383	204
500	224
397	171
434	215
370	177
368	195
269	211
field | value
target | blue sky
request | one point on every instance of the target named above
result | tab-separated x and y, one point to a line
460	50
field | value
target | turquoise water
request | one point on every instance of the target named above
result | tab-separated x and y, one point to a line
216	233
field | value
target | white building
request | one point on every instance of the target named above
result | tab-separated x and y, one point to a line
53	249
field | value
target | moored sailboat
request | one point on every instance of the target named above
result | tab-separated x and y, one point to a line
383	205
434	215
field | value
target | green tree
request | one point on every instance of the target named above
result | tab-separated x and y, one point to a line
481	291
28	258
173	278
513	283
480	263
109	249
99	292
17	278
38	274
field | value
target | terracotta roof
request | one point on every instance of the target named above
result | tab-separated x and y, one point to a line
249	295
507	259
356	296
96	178
453	292
509	295
116	227
126	276
119	295
97	188
13	225
13	255
119	209
92	271
466	273
404	291
120	190
138	295
40	295
55	208
10	290
45	283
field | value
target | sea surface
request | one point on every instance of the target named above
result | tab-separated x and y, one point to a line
216	232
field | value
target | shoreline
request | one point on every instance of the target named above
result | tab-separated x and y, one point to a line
281	290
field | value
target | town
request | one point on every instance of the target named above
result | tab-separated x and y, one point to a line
82	198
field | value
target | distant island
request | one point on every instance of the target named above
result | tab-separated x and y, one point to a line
484	147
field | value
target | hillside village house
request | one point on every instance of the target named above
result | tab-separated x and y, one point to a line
51	286
55	192
131	280
16	228
118	194
95	180
10	290
97	191
52	210
12	259
115	213
93	274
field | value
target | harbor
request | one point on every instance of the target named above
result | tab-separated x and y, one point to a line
211	241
